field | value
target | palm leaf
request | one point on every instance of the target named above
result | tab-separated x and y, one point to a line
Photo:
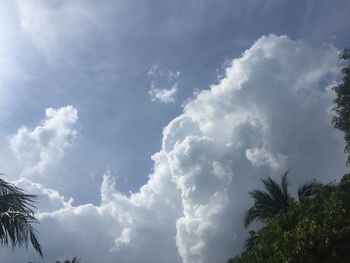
305	191
269	202
284	185
17	217
252	241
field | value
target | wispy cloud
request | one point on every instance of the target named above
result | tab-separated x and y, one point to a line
163	78
154	71
163	95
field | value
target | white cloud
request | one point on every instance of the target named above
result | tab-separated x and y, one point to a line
45	145
261	156
269	112
163	95
160	77
49	200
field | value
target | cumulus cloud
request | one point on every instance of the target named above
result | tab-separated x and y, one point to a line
261	156
49	200
45	145
269	112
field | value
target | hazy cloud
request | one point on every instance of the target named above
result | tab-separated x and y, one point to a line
51	25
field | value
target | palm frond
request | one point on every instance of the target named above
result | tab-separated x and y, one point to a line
264	202
305	191
285	184
17	217
252	241
269	202
276	192
76	260
251	215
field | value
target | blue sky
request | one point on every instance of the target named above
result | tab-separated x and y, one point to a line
95	85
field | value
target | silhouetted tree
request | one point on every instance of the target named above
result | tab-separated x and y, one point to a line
269	202
17	217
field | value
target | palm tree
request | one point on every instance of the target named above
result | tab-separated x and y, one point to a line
17	217
271	201
268	203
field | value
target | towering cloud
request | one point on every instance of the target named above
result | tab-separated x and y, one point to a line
270	112
45	145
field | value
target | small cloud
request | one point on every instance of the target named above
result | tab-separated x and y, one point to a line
153	71
161	78
163	95
173	75
45	145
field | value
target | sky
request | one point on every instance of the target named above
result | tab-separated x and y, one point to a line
142	125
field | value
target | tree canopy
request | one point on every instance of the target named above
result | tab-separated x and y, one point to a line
317	230
342	104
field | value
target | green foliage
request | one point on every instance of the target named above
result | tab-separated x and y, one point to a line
317	230
17	217
342	119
